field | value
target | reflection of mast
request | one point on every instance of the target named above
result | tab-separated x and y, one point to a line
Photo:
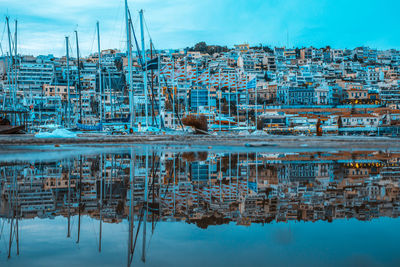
132	251
145	207
237	176
80	195
247	172
155	207
209	178
14	229
69	201
131	248
101	199
152	191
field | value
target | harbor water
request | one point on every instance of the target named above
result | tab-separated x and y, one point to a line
144	205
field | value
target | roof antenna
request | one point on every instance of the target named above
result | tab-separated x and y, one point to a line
287	37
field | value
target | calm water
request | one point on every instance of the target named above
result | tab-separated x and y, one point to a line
198	206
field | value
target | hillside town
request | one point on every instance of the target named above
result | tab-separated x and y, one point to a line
281	90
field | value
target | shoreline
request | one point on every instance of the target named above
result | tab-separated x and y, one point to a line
226	140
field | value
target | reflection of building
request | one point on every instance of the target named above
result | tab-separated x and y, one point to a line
209	188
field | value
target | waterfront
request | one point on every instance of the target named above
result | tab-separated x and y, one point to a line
205	89
198	205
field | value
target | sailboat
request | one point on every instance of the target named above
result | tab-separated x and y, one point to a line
79	125
12	121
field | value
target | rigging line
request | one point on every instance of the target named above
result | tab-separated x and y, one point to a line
137	231
2	228
71	51
133	25
169	93
136	21
3	33
94	230
147	29
93	38
136	42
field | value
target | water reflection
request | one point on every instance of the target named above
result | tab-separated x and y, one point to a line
204	188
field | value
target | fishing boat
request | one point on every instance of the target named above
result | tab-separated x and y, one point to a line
80	125
223	123
9	129
86	127
16	125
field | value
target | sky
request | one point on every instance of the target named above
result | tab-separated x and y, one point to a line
43	242
43	24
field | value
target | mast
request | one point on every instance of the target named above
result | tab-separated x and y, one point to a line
152	86
68	88
256	100
11	59
237	101
219	98
111	96
145	67
79	77
208	94
16	39
160	114
16	58
247	105
229	100
129	53
100	80
173	92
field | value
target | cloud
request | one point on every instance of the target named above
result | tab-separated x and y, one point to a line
43	24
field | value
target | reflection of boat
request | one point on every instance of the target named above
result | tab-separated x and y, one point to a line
258	144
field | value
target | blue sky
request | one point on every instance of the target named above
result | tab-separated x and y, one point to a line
43	24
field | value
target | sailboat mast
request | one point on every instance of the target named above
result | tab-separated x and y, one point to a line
68	88
160	114
79	77
100	80
129	53
16	38
255	100
173	92
152	86
111	96
16	58
145	67
11	59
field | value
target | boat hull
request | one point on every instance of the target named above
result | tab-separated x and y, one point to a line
9	129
